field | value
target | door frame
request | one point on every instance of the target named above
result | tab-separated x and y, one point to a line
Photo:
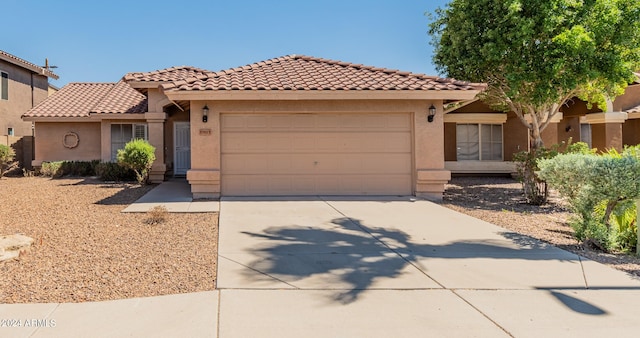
175	145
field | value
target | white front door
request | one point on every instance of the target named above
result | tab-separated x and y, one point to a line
182	148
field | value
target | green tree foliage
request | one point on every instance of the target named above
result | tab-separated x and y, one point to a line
535	55
138	155
601	190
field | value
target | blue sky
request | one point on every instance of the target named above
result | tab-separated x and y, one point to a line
100	41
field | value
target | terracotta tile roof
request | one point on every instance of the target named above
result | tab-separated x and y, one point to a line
27	65
82	99
122	99
167	75
305	73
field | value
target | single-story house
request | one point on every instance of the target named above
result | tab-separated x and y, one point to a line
293	125
480	140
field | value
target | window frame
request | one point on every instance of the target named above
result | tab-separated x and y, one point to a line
134	132
481	143
4	85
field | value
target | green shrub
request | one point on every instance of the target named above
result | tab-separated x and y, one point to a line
7	156
79	168
108	171
51	169
601	190
69	168
138	155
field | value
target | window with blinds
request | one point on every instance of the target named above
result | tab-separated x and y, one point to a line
479	142
123	133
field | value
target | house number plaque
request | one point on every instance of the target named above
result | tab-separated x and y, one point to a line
205	132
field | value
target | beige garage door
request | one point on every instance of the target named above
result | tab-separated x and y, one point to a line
315	154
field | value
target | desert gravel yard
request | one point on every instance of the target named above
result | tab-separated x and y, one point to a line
500	201
86	250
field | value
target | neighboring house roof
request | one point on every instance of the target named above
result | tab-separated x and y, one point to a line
27	65
83	99
167	75
306	73
633	110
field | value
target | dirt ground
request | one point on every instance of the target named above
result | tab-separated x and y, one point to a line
86	250
499	200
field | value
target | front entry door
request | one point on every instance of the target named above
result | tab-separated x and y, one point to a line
182	148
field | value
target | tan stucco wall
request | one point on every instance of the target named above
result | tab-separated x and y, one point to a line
606	135
631	132
450	141
630	98
49	141
21	98
515	137
428	145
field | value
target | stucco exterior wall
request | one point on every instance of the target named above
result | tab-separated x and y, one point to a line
50	137
428	138
630	98
631	132
606	135
21	98
515	137
450	140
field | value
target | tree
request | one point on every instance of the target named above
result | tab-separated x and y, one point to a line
536	55
138	155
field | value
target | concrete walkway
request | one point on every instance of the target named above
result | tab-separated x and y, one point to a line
334	267
175	195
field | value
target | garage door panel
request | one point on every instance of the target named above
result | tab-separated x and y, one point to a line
311	154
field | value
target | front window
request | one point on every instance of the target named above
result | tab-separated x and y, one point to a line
4	86
121	134
479	142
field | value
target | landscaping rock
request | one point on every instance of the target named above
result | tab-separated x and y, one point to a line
12	245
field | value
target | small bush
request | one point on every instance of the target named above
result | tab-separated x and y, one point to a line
108	171
69	168
157	215
7	156
138	155
51	169
79	168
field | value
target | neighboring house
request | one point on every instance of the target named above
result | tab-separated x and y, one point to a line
23	85
294	125
479	140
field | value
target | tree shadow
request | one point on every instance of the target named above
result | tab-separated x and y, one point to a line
352	256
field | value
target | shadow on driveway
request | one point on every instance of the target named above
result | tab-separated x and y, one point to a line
372	253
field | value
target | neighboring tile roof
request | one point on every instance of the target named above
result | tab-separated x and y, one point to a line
303	73
81	99
633	110
27	65
167	75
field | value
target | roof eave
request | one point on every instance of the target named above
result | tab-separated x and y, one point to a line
451	95
32	68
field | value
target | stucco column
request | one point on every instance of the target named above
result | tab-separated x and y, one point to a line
204	175
105	141
606	130
431	176
155	130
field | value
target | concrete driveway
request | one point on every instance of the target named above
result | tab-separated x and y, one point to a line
341	267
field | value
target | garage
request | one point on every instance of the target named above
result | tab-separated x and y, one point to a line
316	154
